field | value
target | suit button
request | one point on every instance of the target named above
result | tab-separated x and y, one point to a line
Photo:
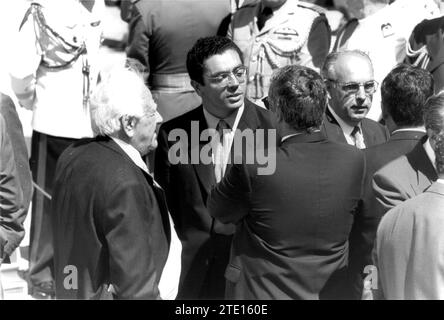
251	78
253	59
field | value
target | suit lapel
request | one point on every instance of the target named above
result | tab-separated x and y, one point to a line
332	129
158	192
419	160
248	120
205	172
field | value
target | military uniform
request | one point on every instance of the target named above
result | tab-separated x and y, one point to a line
54	72
383	36
296	33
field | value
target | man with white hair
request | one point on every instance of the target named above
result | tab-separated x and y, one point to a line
111	224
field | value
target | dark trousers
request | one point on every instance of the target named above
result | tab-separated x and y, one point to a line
45	151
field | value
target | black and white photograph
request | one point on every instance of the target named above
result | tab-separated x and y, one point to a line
222	154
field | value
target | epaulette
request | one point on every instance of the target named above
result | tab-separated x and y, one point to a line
312	6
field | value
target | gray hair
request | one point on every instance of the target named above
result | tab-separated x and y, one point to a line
328	68
121	92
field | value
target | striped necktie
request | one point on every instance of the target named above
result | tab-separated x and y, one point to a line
358	137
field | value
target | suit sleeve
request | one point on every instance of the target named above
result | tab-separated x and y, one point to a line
362	238
125	223
138	40
388	194
12	210
229	200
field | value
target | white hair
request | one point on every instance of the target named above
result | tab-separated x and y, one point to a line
121	92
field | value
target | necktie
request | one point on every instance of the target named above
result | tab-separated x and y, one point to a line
219	169
220	154
358	137
265	14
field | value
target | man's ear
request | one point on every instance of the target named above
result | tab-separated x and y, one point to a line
128	124
196	85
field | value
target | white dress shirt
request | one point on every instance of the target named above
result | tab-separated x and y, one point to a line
228	137
169	280
346	128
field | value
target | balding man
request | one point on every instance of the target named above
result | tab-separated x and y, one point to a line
350	83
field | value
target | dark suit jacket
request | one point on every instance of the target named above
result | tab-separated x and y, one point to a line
11	197
373	132
402	179
14	129
187	187
110	223
291	240
367	220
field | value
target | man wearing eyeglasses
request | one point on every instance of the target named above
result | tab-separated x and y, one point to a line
216	68
350	83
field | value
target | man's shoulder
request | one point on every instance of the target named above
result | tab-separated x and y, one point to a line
183	121
264	117
397	168
370	124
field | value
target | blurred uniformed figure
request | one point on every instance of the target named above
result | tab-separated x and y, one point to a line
161	33
276	33
425	48
382	32
54	71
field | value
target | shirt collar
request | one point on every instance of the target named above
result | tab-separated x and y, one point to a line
294	134
132	153
346	128
232	119
418	129
430	153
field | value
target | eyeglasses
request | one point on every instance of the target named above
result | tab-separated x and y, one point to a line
223	78
353	87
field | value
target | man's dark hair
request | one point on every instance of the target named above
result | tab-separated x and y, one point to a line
205	48
299	95
404	92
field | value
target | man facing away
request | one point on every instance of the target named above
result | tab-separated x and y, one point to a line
409	238
216	68
112	229
292	226
405	91
351	85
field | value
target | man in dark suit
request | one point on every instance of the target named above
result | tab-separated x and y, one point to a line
292	226
215	66
404	93
112	229
350	83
